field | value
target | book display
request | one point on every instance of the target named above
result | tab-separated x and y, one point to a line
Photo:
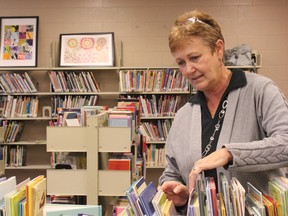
232	199
26	198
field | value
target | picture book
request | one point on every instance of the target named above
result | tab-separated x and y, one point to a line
29	194
169	208
158	202
7	186
72	210
15	199
146	198
39	197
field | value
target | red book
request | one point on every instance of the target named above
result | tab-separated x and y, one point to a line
119	164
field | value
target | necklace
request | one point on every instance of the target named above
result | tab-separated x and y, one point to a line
217	127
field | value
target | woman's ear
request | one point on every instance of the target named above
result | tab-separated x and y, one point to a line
219	48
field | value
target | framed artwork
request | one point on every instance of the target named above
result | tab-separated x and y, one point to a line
19	41
87	49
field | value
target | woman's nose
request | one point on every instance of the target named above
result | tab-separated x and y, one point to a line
190	68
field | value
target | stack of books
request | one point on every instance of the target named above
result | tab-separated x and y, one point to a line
145	199
232	199
26	198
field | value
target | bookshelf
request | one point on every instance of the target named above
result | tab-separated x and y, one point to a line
93	181
161	92
33	138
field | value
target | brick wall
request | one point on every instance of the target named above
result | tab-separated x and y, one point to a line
143	25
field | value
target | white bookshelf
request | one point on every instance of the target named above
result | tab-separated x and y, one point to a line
91	182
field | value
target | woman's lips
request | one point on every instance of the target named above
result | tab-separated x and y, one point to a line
197	77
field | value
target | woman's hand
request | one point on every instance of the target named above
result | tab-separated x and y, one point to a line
216	159
176	192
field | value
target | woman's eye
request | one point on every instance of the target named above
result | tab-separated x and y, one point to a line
181	63
194	58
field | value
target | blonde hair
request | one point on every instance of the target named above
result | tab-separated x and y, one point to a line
194	24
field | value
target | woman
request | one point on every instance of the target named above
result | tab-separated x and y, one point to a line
237	123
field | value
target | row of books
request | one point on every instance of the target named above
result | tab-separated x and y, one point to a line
155	155
232	198
16	83
75	116
145	199
12	131
152	80
155	132
14	156
19	106
165	105
73	82
71	101
25	198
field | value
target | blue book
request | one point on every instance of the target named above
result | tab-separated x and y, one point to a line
146	199
72	210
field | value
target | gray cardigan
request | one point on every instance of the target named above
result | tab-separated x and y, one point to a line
255	131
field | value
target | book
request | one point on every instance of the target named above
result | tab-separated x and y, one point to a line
278	194
72	210
15	199
158	202
169	208
139	186
119	164
254	199
39	197
30	204
239	191
7	186
193	204
146	198
200	188
119	120
224	189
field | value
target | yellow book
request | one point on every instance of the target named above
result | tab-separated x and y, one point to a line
278	195
15	199
39	197
222	204
29	195
169	208
268	206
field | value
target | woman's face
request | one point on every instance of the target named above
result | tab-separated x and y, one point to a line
199	65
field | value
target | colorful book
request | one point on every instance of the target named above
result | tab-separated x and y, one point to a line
30	205
72	210
146	199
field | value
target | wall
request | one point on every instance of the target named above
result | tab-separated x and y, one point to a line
143	26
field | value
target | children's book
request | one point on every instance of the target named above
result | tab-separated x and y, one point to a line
30	205
146	198
39	197
158	202
72	210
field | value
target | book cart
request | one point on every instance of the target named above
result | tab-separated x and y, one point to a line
93	139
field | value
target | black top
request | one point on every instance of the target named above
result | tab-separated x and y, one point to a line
238	80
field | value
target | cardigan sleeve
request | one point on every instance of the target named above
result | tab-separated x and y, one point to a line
271	150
